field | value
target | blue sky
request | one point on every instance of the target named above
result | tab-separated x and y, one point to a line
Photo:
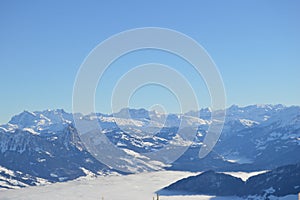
255	44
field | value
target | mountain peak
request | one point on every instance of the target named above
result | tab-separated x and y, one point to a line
133	113
23	118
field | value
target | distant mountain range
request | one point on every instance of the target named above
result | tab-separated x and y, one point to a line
44	146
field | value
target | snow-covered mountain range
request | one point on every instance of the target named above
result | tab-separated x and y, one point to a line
44	146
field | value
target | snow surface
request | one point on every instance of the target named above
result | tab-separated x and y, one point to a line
244	175
132	187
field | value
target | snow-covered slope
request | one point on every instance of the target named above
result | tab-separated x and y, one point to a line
10	179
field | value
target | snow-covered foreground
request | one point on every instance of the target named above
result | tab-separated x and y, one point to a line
131	187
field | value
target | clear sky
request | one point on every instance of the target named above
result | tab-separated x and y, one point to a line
255	44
